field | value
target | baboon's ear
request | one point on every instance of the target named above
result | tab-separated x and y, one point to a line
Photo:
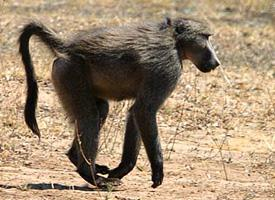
167	23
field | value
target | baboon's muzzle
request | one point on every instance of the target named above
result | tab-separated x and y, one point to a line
209	60
208	66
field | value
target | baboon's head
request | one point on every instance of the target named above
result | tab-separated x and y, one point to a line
192	38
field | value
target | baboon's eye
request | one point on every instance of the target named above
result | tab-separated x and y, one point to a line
179	30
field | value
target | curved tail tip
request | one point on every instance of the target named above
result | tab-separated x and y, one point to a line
36	131
38	135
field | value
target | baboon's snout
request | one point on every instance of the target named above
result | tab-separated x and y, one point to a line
208	60
214	61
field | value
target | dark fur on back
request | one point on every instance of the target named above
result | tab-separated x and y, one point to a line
121	42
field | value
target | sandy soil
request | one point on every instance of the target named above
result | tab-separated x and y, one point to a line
217	130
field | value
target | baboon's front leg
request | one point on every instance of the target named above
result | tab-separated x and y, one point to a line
144	113
146	122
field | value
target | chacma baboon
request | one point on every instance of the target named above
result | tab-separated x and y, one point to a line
138	61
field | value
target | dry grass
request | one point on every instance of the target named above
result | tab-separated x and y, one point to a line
217	130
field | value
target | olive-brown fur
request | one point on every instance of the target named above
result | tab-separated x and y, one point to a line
138	61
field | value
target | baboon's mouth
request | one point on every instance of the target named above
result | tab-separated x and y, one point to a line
205	69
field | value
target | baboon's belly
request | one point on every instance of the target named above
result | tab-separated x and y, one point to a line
115	85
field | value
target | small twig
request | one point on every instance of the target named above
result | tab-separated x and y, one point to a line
106	136
88	161
175	135
223	165
269	145
271	99
221	155
225	137
225	76
117	110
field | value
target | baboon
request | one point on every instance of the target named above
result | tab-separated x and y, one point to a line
135	61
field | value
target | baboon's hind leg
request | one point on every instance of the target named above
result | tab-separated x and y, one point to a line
76	97
103	108
73	156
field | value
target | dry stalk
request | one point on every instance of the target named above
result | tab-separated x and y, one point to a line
88	161
117	110
271	99
124	109
270	145
225	76
221	155
106	136
175	135
220	147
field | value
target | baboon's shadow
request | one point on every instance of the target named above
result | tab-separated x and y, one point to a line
52	186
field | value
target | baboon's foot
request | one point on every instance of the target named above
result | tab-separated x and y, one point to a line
99	181
120	171
103	182
101	169
157	178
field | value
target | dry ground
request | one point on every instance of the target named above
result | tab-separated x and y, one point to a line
217	131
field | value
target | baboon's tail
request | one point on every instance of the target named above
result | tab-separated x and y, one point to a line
48	37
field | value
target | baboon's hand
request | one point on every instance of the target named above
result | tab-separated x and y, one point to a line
157	178
100	181
102	169
104	183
